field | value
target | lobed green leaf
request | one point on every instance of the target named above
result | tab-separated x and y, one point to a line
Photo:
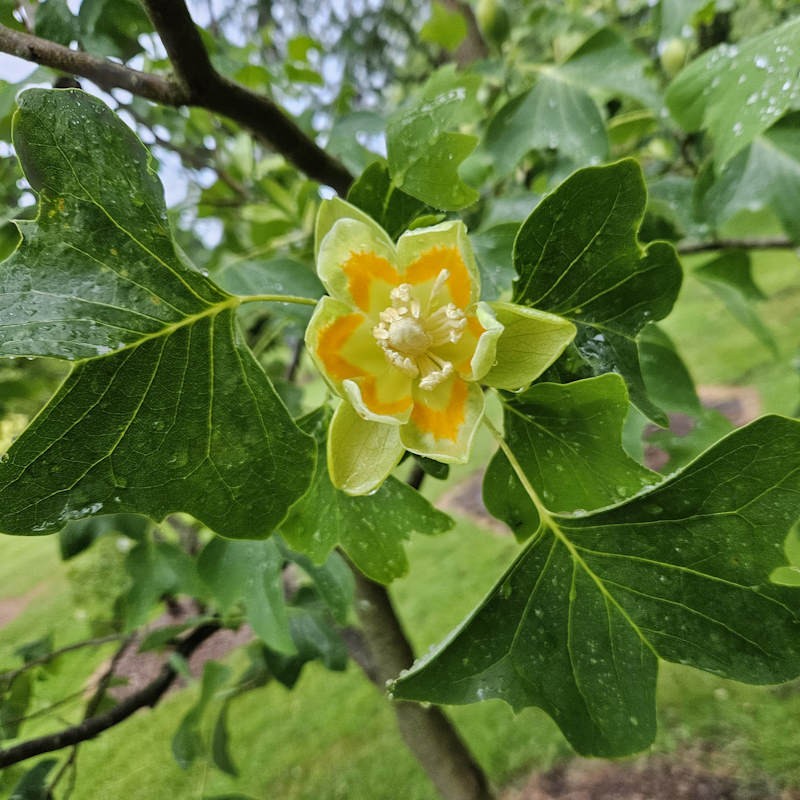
567	438
165	408
577	256
679	573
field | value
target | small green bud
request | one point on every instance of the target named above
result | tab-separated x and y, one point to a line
493	20
672	55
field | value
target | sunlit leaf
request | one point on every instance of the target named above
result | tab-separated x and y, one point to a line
393	209
424	146
765	174
553	115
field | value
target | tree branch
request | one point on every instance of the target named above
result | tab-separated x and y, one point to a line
183	44
197	84
766	243
426	731
210	90
91	727
106	74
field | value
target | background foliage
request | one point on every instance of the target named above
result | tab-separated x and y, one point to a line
586	145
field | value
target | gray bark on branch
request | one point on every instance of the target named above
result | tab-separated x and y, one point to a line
427	732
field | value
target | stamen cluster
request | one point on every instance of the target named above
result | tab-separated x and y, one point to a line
409	333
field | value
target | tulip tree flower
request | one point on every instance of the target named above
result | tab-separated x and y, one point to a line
404	340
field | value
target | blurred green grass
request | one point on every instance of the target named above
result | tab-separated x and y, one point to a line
334	735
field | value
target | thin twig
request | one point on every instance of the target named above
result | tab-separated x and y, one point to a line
765	243
91	727
12	675
92	706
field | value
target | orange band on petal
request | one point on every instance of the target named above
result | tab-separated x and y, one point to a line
369	394
361	270
443	423
432	262
475	327
477	330
330	343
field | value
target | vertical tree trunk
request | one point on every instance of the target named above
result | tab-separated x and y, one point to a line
427	732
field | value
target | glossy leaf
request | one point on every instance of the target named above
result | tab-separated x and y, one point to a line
737	91
493	248
679	573
568	440
250	572
424	148
553	115
393	209
165	408
611	66
765	174
577	256
371	528
272	276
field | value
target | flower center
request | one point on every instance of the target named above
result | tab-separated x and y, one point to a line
407	332
406	335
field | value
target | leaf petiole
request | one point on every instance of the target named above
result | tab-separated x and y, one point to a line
277	298
544	515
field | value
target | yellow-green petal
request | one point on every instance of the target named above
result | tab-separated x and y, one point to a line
341	343
361	453
422	254
485	353
383	397
334	209
530	342
356	265
444	420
